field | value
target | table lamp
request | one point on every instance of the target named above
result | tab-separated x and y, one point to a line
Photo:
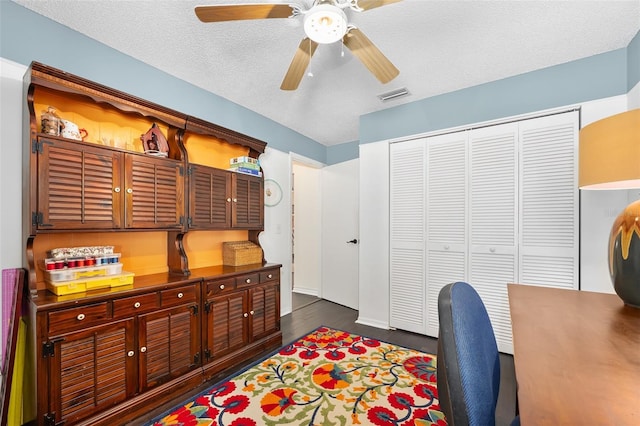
610	159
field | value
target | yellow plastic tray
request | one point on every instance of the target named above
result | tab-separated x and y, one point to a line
91	283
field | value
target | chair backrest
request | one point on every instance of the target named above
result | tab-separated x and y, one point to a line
468	363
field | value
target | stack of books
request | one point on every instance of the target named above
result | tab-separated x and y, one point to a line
246	165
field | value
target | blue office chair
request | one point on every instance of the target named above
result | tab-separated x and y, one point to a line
468	365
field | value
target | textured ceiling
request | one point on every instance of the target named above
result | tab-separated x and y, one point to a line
438	46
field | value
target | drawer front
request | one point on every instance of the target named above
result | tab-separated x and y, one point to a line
77	318
272	275
220	286
249	279
134	305
178	296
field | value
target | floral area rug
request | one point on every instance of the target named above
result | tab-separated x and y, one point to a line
328	377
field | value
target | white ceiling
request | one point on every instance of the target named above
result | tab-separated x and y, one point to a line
438	46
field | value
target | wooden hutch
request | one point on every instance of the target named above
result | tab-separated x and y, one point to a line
105	356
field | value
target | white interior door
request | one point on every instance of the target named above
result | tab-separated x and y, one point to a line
307	229
340	226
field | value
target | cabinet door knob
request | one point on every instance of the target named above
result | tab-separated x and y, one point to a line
129	190
248	280
245	315
143	349
180	295
251	312
492	250
221	286
136	305
116	189
235	200
80	317
269	276
130	353
446	247
228	200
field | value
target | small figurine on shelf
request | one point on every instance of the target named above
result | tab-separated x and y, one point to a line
50	122
154	143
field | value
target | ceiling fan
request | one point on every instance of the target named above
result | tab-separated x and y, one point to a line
325	22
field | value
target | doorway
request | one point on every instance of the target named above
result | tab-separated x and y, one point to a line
306	236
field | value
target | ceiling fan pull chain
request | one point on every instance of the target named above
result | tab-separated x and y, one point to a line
310	73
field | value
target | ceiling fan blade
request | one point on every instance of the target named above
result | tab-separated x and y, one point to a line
372	4
370	55
237	12
299	64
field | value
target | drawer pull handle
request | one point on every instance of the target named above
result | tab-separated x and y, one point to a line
248	280
80	317
136	305
245	315
143	349
129	190
269	276
221	286
180	295
130	353
116	189
251	312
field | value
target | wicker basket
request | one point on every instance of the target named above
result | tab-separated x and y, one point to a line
237	253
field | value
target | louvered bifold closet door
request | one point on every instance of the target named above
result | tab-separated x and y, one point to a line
549	219
154	192
446	261
493	160
407	221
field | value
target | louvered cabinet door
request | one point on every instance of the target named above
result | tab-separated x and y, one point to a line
264	310
79	187
226	324
91	370
168	343
153	192
210	198
248	200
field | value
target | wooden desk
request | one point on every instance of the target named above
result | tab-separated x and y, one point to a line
577	357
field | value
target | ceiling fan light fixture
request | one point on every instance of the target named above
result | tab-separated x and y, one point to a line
325	23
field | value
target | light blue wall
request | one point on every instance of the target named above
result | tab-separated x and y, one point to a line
633	62
595	77
26	36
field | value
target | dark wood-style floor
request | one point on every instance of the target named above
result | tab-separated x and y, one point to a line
310	314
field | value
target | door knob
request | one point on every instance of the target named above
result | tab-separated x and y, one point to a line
354	241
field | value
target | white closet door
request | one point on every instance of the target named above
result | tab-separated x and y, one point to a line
493	160
407	219
549	219
446	218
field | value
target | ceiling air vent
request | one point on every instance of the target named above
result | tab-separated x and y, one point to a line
393	94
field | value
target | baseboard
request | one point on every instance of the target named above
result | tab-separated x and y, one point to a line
307	291
372	323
